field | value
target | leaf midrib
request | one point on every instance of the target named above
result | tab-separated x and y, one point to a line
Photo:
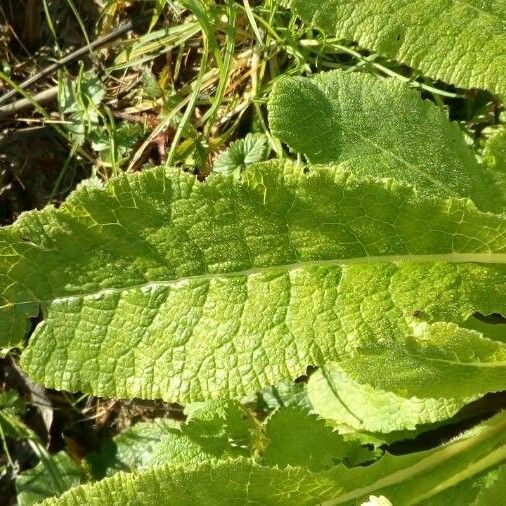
458	258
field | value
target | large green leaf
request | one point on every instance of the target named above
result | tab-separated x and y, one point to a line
462	42
160	286
377	127
406	480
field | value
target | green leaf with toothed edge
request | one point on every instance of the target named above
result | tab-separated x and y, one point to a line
241	154
209	433
159	286
296	438
379	127
462	42
410	479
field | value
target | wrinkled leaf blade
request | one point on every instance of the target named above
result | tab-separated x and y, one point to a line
462	43
135	277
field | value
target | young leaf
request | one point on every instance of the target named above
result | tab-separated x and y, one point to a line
79	101
241	154
462	43
377	127
296	438
160	286
406	480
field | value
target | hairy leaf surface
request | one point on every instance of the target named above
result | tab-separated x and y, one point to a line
241	154
377	127
160	286
410	479
296	438
338	397
461	42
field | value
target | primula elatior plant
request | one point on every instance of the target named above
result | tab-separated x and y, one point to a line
370	268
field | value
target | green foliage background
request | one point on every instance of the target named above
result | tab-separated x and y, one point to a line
309	269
